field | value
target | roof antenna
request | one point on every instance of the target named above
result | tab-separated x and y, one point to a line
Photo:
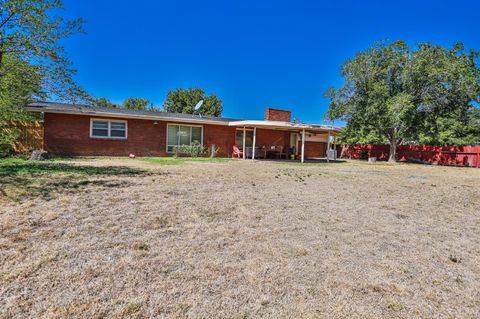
198	106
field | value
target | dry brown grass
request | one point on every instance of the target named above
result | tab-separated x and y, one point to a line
243	240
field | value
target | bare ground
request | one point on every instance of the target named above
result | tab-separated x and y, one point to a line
240	240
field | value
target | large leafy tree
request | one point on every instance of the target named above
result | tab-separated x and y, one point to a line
103	102
131	103
455	130
394	94
30	31
137	103
33	64
184	101
19	82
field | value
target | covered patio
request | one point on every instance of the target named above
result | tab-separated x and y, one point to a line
268	139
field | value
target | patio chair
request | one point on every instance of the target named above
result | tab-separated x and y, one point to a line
237	152
280	152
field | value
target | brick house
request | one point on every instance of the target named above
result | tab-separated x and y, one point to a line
85	130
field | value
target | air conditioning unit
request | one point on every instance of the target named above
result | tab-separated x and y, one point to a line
332	155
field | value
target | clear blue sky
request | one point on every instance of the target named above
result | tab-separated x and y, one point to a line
252	54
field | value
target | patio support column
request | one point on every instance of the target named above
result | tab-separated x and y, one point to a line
254	140
243	149
335	148
303	145
328	147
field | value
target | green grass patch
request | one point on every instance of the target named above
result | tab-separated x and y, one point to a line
182	160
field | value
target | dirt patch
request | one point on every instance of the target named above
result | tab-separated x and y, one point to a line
243	239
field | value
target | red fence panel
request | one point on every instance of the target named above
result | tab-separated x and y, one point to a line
468	156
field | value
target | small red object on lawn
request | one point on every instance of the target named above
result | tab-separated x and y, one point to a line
131	155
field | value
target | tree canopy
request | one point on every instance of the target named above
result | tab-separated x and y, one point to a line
103	102
33	63
395	94
30	31
19	82
184	101
137	103
131	103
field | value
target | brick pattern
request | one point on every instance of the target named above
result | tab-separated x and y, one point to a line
269	138
67	134
313	149
272	114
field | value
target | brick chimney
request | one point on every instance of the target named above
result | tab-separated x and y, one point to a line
272	114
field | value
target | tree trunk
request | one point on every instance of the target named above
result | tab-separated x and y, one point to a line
393	150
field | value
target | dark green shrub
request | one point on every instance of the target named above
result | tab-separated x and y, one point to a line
193	150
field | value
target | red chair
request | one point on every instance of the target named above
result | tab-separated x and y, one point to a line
237	152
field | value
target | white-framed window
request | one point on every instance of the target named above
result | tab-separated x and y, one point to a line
103	128
183	135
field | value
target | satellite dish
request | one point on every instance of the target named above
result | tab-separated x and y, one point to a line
199	105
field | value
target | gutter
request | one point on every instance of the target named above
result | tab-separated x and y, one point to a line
128	116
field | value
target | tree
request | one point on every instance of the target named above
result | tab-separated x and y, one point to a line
184	101
137	103
30	31
104	102
463	131
393	94
19	82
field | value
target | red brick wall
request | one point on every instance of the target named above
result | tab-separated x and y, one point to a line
315	149
222	136
67	134
272	114
272	138
70	135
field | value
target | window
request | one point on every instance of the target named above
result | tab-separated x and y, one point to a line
248	138
183	135
108	129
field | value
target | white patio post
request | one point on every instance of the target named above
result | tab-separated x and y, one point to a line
328	147
334	148
254	138
303	145
244	150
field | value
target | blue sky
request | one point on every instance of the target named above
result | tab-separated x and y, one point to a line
252	54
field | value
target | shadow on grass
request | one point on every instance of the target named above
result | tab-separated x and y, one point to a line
30	167
307	161
20	179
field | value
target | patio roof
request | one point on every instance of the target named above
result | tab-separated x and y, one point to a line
295	127
284	126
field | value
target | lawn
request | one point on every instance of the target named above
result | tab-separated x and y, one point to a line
222	238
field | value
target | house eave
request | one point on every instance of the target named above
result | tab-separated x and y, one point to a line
128	116
284	126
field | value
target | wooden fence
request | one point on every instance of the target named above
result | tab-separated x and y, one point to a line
30	135
468	156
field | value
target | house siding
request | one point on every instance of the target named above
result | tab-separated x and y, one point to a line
314	149
67	134
269	138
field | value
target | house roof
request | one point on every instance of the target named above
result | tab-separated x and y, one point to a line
50	107
284	126
79	109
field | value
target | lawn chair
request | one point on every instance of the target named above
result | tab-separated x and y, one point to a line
237	152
